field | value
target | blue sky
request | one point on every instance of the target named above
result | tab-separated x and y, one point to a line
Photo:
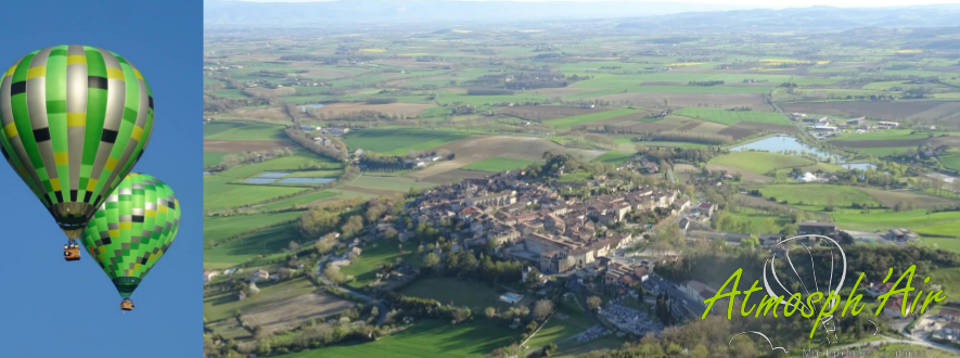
51	308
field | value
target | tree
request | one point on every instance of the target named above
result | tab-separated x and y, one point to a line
325	244
490	312
353	226
542	309
431	260
750	242
332	273
293	246
593	303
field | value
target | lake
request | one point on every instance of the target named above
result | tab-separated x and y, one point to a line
308	107
305	180
783	144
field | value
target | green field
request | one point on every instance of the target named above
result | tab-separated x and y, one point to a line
948	279
460	292
219	194
223	306
266	243
364	267
400	140
216	228
212	158
921	221
888	134
387	183
760	162
614	157
231	130
425	339
573	121
723	116
882	151
303	199
497	164
942	243
818	194
951	161
570	318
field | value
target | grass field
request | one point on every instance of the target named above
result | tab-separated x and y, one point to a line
216	228
364	267
889	134
570	318
497	164
230	130
573	121
266	243
387	183
303	199
942	243
818	194
224	306
918	220
614	157
760	162
218	194
951	161
473	294
948	278
399	141
723	116
212	158
425	339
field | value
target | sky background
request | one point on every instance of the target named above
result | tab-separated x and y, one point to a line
53	308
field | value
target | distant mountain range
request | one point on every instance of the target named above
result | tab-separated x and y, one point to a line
631	16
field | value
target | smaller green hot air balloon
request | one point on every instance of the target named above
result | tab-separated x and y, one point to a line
132	230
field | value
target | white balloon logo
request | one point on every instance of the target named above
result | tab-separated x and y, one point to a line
830	255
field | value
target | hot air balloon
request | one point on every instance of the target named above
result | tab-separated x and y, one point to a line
75	120
131	231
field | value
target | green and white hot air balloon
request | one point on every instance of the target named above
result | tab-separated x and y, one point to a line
132	230
75	119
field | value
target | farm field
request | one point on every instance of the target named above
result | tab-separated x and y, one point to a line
760	162
951	161
570	122
245	131
261	243
425	339
819	195
918	220
949	244
399	141
219	307
460	292
614	157
222	227
728	117
223	195
497	164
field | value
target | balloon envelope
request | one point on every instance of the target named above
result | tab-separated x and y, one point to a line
75	119
132	230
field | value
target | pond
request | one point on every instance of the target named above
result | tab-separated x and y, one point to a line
258	180
309	107
858	166
783	144
305	180
273	174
